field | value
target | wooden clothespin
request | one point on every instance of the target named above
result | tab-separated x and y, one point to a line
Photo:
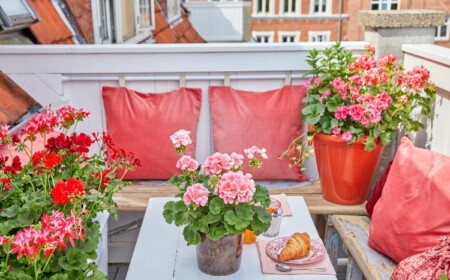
122	82
288	79
182	81
226	80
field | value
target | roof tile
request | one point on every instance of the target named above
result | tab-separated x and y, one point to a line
51	29
15	101
81	11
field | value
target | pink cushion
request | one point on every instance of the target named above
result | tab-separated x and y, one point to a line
142	123
412	212
377	190
269	119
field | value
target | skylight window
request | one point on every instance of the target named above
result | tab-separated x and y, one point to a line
16	14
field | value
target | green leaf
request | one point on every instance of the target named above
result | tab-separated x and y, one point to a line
262	195
191	235
176	212
443	277
334	123
74	259
261	220
239	218
386	138
370	144
312	119
216	233
10	211
59	276
215	205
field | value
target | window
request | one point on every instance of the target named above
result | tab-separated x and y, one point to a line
15	14
103	16
288	36
319	36
385	5
442	32
290	6
263	7
320	7
173	10
263	37
117	21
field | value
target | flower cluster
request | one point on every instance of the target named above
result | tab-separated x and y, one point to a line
221	200
51	190
362	98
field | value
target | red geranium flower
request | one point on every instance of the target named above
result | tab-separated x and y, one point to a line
63	192
52	160
6	183
15	167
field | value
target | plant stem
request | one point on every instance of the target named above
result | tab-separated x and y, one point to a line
36	273
47	262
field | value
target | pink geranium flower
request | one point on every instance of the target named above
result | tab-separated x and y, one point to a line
236	160
235	188
217	163
197	193
187	163
181	138
347	136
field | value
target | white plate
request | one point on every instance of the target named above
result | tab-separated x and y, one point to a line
316	253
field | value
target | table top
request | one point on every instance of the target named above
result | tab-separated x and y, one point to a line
161	251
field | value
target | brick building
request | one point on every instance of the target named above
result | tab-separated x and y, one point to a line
328	20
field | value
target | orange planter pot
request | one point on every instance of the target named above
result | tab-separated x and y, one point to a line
345	171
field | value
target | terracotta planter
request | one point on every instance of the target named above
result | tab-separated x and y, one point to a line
222	257
345	171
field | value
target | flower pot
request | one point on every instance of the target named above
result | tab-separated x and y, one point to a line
345	171
221	257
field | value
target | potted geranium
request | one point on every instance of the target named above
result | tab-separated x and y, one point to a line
218	202
51	194
354	107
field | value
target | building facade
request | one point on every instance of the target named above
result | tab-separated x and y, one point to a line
284	21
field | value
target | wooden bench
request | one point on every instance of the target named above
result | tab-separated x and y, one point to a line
135	197
363	261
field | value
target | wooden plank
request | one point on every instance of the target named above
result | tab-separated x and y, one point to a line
354	232
135	197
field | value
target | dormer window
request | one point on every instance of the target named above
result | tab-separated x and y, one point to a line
15	14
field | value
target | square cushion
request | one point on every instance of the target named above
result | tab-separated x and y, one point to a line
143	122
412	212
269	119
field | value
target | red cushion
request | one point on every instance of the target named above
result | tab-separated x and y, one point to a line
377	190
412	212
142	123
269	119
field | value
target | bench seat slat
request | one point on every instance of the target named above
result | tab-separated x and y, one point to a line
354	232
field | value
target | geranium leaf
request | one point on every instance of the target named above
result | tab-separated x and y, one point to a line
215	205
386	138
191	235
370	144
74	259
216	233
236	220
59	276
261	195
10	211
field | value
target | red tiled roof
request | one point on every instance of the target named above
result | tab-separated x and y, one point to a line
50	29
15	101
81	11
183	32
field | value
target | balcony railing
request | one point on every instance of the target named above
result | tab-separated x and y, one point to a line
76	74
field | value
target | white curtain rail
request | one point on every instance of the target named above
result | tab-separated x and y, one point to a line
177	78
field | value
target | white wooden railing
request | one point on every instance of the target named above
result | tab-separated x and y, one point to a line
437	59
75	75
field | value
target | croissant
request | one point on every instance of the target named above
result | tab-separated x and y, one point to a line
297	246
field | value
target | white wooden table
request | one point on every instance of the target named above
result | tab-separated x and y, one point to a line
161	251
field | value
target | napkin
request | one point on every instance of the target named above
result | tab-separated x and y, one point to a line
284	204
268	264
